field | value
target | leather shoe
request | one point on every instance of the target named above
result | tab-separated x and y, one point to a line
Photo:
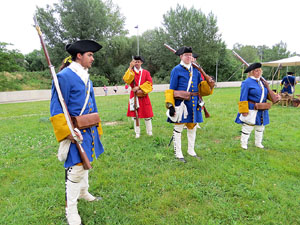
98	199
182	160
197	157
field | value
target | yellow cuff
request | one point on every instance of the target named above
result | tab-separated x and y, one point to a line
146	87
169	94
128	76
60	126
243	107
99	128
204	89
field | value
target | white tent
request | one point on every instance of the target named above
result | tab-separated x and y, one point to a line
291	61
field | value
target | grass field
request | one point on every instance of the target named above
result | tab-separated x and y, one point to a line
139	179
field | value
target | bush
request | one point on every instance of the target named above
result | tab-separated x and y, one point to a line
25	81
98	80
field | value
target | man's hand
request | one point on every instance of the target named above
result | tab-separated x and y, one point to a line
135	88
171	110
78	134
132	63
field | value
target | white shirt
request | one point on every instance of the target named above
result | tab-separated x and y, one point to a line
137	71
80	71
188	66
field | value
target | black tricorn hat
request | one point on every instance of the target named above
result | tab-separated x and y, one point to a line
253	66
183	50
83	46
195	55
138	57
290	73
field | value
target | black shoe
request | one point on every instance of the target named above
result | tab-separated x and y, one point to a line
182	160
197	157
97	199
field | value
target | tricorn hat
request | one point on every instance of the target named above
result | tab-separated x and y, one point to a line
253	66
195	55
183	50
290	73
83	46
138	57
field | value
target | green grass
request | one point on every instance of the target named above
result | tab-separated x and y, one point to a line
25	81
139	179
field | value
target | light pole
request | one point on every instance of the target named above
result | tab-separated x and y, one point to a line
137	37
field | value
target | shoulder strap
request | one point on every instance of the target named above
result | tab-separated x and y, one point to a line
86	99
190	80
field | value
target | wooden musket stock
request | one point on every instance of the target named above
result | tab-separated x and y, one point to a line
137	121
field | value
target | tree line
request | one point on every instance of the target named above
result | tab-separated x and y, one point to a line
71	20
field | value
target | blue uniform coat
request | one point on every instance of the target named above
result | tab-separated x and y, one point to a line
74	93
179	81
252	91
288	82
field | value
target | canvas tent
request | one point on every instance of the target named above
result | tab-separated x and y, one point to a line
291	61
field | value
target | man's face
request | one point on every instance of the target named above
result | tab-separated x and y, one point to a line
187	58
138	64
257	72
86	59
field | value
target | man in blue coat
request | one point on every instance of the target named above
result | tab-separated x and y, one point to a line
184	77
77	91
253	91
288	82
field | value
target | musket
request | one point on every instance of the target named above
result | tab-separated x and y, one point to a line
273	96
199	68
85	160
137	121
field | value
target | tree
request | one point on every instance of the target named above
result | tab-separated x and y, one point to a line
11	60
71	20
35	61
182	26
248	52
193	28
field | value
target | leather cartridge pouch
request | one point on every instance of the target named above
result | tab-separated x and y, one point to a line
140	93
86	121
182	95
262	106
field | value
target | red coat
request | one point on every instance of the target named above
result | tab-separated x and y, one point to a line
145	109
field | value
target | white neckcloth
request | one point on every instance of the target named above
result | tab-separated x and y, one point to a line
80	71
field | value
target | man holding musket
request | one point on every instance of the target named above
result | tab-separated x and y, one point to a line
288	82
77	91
253	106
183	101
139	105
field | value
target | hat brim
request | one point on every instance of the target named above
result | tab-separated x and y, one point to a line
83	46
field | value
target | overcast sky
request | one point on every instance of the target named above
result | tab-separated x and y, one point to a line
255	22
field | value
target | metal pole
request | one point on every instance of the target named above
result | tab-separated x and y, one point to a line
217	71
138	43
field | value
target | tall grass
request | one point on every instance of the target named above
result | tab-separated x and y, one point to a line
139	179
